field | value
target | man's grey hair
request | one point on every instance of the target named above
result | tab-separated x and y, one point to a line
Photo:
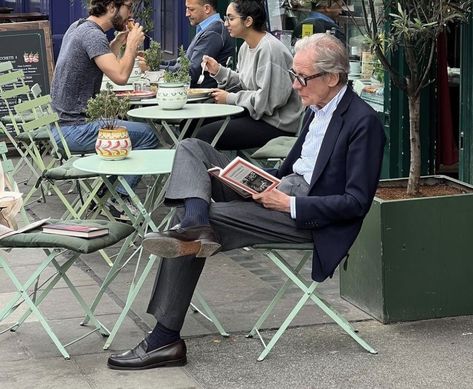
329	53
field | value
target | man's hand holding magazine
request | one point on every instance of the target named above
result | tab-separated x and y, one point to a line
273	199
249	180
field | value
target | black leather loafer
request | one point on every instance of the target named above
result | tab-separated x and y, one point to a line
200	241
173	354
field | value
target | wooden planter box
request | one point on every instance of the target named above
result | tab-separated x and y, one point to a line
413	258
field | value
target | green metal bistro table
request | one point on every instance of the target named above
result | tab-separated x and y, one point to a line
162	118
155	163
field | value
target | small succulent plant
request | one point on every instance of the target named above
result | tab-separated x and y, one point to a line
182	74
107	108
153	56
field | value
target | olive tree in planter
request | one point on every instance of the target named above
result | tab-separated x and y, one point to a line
414	26
410	260
113	141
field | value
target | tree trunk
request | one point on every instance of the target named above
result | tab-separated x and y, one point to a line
414	138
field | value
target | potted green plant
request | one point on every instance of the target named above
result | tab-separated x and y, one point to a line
153	57
181	75
172	92
106	108
409	262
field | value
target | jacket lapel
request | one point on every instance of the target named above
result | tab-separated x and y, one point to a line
331	136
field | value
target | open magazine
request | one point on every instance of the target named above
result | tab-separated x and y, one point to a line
244	177
7	231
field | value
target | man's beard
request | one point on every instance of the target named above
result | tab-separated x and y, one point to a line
118	22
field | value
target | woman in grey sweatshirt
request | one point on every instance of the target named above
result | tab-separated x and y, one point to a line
261	84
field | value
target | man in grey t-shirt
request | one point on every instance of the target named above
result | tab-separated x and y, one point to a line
85	56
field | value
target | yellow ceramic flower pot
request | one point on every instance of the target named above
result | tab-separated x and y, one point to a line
113	144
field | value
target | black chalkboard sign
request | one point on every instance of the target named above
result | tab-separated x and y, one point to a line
28	47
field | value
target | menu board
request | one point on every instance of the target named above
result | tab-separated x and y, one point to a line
28	46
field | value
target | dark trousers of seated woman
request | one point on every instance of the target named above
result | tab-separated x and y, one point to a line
242	132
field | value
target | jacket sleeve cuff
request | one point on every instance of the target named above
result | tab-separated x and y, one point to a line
292	205
231	98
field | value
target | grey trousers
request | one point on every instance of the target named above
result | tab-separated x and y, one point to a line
237	222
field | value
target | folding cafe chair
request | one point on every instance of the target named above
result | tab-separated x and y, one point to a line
308	290
36	114
32	120
61	252
13	90
56	247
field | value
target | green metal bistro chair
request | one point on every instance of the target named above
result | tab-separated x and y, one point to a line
37	114
308	290
275	150
61	252
45	117
12	90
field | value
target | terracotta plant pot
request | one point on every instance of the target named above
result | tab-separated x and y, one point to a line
113	144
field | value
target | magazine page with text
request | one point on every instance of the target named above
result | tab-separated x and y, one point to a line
245	176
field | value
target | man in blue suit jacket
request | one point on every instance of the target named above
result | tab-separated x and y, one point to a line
211	39
328	181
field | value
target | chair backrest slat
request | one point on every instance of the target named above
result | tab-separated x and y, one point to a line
15	92
32	104
6	66
8	166
12	77
3	148
44	120
36	90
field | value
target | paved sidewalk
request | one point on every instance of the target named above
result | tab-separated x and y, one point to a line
314	352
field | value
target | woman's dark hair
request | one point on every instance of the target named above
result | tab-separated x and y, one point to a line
99	7
255	9
212	3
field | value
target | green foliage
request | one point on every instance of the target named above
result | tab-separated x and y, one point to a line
414	26
142	12
153	55
107	108
182	74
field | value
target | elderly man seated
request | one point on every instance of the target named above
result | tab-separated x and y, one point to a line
327	185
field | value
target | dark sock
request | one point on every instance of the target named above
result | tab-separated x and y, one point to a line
161	336
196	213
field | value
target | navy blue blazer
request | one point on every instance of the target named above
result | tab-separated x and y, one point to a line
343	183
214	41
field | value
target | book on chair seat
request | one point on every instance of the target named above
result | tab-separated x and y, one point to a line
78	231
244	177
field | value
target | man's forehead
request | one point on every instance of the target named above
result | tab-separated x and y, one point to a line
303	59
193	3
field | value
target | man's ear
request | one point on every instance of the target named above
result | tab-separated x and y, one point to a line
111	7
208	9
333	79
